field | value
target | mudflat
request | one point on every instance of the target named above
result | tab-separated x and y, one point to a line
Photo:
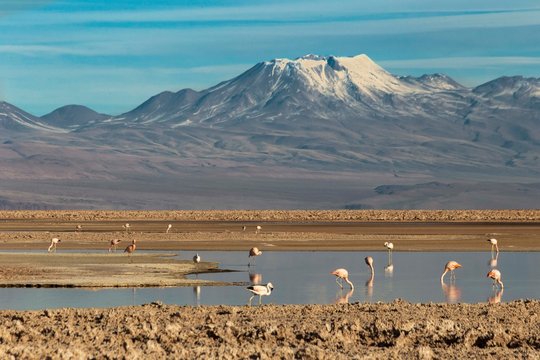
397	330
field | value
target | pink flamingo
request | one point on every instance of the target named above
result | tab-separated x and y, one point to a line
342	274
450	266
168	228
493	243
131	248
496	276
253	252
260	290
52	247
258	229
196	258
114	244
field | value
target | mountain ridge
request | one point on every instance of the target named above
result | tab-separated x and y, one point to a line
301	119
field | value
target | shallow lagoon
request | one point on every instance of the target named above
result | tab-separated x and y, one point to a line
304	278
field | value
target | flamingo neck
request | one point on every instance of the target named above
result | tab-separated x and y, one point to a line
349	282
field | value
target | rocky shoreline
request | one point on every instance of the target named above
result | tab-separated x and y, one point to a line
397	330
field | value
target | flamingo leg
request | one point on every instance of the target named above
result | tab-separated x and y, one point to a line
260	299
337	281
251	298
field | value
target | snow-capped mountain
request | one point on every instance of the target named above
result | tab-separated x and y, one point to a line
312	118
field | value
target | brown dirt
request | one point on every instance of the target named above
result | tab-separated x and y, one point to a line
397	330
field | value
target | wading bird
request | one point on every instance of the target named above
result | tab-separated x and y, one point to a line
369	283
197	258
258	229
390	247
253	252
496	276
114	244
131	249
168	228
260	290
244	228
78	228
450	266
126	227
52	247
493	243
342	274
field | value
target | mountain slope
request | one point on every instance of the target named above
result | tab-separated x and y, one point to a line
317	121
13	119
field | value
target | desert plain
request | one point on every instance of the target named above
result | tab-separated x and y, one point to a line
397	330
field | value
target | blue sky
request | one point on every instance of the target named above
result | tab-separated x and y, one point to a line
113	55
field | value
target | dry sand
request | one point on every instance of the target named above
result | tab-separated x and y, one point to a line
398	330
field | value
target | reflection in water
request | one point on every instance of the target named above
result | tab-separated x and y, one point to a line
343	299
197	293
493	261
255	278
389	270
452	293
369	287
495	298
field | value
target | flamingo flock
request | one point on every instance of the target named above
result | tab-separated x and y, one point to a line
341	274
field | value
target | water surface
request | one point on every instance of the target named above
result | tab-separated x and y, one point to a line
304	278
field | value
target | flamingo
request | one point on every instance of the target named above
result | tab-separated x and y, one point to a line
168	228
369	262
496	276
342	274
126	227
131	248
260	290
258	229
114	244
52	247
197	258
78	228
369	283
493	243
450	266
253	252
244	228
390	247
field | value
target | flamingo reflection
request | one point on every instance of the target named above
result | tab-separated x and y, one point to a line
197	293
451	292
493	261
496	297
343	299
255	278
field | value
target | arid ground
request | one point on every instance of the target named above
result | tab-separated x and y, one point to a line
397	330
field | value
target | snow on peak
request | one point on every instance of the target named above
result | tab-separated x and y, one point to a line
329	73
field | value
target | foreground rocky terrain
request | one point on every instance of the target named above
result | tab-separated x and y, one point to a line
398	330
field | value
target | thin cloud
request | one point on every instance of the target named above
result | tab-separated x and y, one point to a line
460	62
